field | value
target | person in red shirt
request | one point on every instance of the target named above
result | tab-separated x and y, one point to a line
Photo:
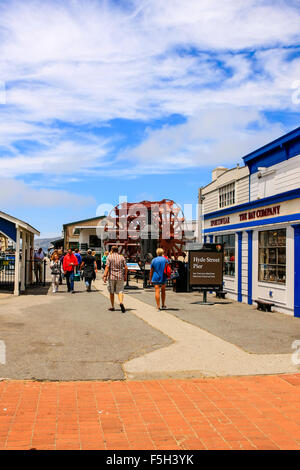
69	264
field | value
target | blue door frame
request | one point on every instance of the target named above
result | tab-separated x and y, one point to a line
239	273
250	262
296	270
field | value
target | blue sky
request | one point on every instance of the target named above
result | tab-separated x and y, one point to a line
143	98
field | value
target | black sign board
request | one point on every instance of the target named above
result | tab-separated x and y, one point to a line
206	266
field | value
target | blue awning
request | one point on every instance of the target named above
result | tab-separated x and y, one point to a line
8	228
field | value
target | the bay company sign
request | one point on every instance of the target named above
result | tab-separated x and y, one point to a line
275	210
250	215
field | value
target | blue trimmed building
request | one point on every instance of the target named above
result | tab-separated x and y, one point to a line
255	211
20	273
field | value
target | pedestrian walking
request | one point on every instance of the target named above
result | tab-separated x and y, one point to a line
61	255
116	273
69	264
89	267
104	258
38	264
52	254
79	259
158	277
55	268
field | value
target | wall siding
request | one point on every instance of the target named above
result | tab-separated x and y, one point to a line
242	191
211	192
211	202
285	178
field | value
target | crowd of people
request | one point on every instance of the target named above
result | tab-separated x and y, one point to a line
73	266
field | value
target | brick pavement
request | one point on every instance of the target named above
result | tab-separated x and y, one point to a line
258	412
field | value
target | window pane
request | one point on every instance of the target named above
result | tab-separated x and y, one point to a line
281	274
272	238
263	256
272	256
229	253
227	195
281	256
282	237
263	238
226	240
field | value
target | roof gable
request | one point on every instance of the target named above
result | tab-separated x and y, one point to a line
278	150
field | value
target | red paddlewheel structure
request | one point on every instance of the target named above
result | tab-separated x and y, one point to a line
129	225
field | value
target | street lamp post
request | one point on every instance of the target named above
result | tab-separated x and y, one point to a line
200	216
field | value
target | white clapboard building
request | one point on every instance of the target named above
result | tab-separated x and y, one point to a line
255	211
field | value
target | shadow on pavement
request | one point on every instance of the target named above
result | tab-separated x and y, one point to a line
171	309
38	289
213	302
126	309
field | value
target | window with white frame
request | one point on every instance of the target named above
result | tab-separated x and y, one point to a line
229	253
227	195
272	256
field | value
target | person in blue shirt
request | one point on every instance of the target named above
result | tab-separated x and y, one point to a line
158	278
79	259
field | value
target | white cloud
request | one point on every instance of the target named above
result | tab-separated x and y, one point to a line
16	193
231	24
215	136
54	153
91	61
83	61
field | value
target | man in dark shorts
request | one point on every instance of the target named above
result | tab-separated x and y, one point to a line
89	267
158	278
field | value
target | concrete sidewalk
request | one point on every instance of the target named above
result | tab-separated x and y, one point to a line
194	351
244	325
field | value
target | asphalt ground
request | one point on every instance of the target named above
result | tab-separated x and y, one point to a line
67	336
243	325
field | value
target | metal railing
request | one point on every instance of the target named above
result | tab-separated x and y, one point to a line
7	274
35	273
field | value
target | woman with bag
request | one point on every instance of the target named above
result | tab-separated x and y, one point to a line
89	267
55	267
158	277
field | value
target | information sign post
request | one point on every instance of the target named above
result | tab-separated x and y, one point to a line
206	269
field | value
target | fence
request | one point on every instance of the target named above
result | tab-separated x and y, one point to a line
35	273
7	274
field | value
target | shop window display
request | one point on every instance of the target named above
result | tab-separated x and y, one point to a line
272	256
229	253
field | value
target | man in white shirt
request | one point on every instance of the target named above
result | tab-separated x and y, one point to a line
38	264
